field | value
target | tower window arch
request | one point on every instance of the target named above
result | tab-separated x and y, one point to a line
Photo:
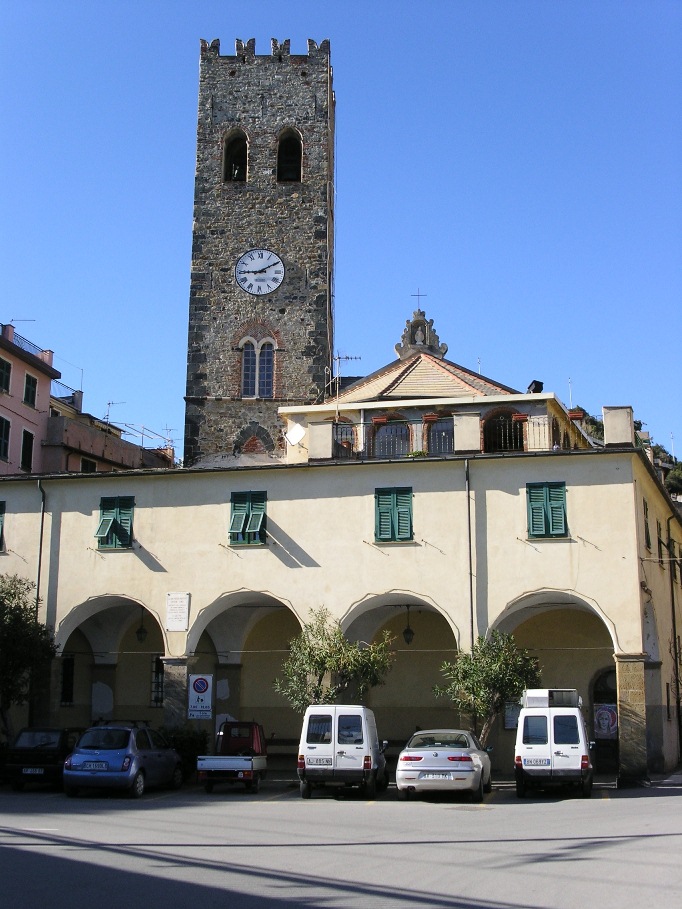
289	157
235	158
258	368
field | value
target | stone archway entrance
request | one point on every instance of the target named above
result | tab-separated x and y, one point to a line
573	647
109	664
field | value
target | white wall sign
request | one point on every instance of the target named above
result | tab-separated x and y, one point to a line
200	697
177	611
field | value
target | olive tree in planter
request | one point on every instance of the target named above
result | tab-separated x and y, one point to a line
482	682
323	664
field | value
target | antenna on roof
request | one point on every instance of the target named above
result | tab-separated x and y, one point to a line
337	360
111	404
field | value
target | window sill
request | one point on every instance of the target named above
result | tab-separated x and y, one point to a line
395	543
564	539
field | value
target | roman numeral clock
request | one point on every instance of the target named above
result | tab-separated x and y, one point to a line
259	271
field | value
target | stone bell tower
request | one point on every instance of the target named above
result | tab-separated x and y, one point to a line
260	313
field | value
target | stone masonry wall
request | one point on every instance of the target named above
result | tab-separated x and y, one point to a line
262	96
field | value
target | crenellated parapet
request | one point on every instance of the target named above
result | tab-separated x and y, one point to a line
246	50
213	48
280	50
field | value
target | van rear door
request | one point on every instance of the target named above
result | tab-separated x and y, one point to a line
566	744
351	746
535	751
318	747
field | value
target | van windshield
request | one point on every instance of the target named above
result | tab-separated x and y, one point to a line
319	729
535	730
566	730
350	730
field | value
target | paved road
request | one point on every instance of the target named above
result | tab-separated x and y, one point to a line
274	850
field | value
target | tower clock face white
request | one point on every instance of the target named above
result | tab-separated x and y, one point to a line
259	272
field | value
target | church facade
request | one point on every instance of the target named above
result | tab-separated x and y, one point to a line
424	496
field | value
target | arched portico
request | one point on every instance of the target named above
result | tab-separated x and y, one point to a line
241	639
406	700
576	643
109	663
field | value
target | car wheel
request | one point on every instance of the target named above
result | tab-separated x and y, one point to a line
520	788
208	787
477	794
489	785
253	785
177	778
382	784
137	788
306	789
71	791
403	795
586	789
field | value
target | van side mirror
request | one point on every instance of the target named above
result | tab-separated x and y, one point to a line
384	746
488	749
592	745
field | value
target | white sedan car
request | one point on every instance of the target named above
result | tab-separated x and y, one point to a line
449	760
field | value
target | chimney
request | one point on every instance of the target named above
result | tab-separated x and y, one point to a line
619	427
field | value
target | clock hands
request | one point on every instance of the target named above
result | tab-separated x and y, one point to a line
258	271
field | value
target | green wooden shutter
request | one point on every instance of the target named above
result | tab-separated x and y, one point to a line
105	532
383	517
536	510
124	523
240	512
556	509
255	528
403	512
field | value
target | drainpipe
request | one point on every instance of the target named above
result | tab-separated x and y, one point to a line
40	544
471	570
676	641
31	690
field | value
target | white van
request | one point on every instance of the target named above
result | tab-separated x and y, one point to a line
340	747
552	746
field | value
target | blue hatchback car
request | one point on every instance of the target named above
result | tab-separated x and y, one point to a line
121	756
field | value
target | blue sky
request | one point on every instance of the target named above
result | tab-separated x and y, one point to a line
518	162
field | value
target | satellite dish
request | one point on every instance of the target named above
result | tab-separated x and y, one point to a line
295	434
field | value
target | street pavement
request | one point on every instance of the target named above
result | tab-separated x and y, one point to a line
274	850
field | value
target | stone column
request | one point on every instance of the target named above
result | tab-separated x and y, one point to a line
175	681
631	716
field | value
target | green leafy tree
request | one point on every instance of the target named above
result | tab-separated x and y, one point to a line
26	645
480	683
673	482
323	663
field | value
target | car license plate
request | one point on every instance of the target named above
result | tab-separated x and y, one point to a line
435	776
36	770
94	765
536	762
318	760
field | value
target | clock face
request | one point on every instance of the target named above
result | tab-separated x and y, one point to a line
259	272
